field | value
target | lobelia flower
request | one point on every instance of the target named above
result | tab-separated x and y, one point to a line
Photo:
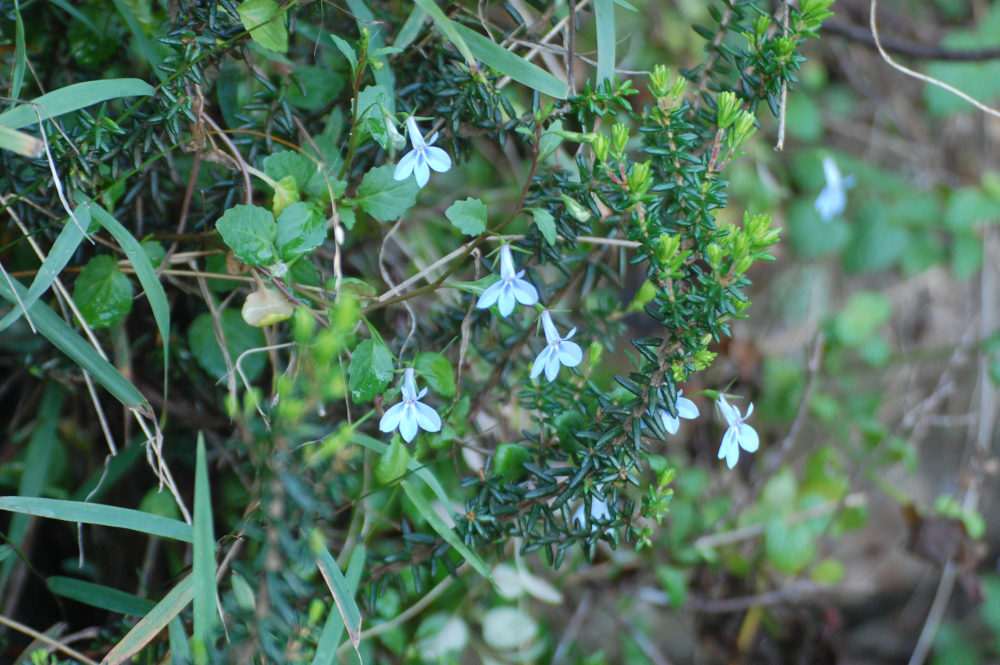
560	351
833	198
685	409
510	287
739	435
422	156
411	414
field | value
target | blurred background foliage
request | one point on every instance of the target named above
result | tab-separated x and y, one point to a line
871	354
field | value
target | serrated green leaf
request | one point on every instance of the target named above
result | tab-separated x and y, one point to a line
546	223
102	292
301	229
286	192
266	23
382	197
437	371
370	371
371	101
469	216
249	231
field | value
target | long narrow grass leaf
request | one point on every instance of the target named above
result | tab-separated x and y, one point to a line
343	595
64	338
604	19
203	566
329	639
72	98
62	250
146	274
383	75
40	453
98	595
180	649
512	65
20	143
20	54
443	530
97	513
411	28
151	624
449	29
145	44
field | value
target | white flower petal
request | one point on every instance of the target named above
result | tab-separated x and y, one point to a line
570	353
748	438
551	364
416	138
421	172
505	302
686	408
524	292
437	159
670	423
539	364
405	166
408	424
507	271
551	334
390	419
427	418
732	455
489	296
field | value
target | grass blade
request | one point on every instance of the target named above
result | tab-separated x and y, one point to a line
145	273
343	594
450	30
203	567
180	649
63	249
98	595
20	54
512	65
604	18
20	143
329	639
146	45
72	98
97	513
64	338
443	530
411	28
383	76
41	446
151	624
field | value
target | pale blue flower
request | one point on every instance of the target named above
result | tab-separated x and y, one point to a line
833	198
422	156
685	409
739	435
411	414
559	351
509	288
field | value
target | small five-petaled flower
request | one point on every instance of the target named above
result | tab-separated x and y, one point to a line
685	409
509	288
559	351
739	435
411	414
423	157
833	198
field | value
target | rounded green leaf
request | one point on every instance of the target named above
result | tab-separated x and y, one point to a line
249	231
382	197
469	216
509	461
239	338
436	370
266	23
392	465
102	292
301	229
370	371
